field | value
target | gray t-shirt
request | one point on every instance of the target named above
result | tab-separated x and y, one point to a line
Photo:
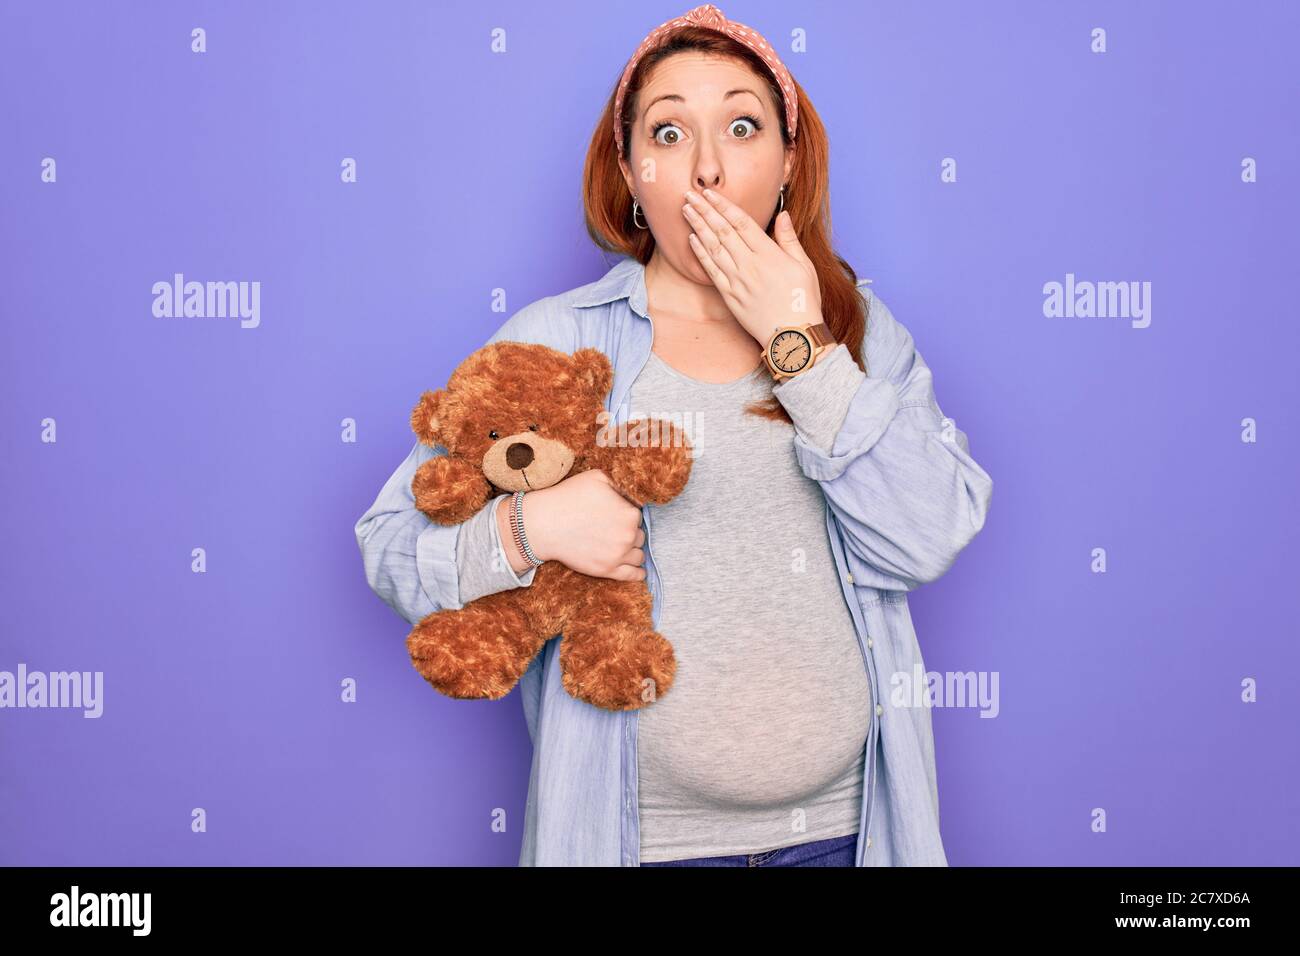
761	740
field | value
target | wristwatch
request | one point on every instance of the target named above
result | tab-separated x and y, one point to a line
792	348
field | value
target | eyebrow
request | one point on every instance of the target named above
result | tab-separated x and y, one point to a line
677	98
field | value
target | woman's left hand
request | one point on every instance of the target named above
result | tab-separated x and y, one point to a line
765	283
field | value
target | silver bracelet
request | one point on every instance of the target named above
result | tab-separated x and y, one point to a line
517	528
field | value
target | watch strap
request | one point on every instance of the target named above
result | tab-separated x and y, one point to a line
821	335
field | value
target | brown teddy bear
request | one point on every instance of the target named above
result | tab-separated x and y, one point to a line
517	416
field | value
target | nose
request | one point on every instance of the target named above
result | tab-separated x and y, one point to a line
519	455
708	167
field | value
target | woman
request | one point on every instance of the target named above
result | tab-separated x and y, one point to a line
819	496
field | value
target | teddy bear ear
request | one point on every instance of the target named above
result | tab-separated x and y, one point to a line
591	366
426	417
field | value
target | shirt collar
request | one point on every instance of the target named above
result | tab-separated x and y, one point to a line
626	280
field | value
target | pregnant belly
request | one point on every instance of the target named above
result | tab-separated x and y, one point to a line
758	732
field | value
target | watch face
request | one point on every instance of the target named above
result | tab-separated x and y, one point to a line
790	351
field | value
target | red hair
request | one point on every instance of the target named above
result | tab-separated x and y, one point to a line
608	206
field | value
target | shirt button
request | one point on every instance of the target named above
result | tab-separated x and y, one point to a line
869	644
879	710
868	841
849	577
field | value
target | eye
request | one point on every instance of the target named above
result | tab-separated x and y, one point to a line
740	121
493	435
532	428
676	135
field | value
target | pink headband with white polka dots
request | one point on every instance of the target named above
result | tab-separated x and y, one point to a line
710	17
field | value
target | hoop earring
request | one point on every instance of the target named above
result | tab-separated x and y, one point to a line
636	209
781	206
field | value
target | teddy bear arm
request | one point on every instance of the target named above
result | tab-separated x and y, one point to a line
651	464
449	490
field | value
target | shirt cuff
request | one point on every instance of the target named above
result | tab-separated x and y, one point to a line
818	400
481	558
519	581
435	560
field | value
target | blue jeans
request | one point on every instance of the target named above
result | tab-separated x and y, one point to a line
837	851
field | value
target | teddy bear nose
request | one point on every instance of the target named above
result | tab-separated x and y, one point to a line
519	455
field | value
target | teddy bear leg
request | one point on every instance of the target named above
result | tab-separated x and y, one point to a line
475	652
610	654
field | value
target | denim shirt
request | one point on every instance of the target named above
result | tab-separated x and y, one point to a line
903	498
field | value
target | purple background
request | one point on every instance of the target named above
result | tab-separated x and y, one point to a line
1118	690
